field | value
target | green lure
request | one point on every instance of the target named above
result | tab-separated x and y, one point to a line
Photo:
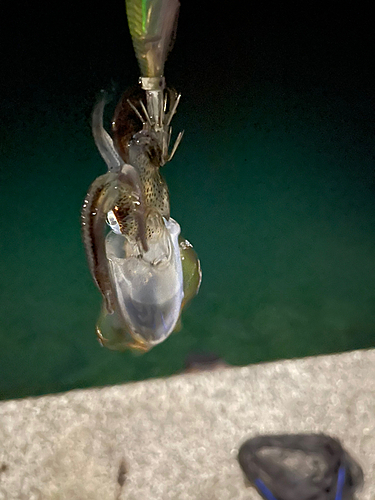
152	25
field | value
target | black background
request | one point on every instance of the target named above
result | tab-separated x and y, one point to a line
77	47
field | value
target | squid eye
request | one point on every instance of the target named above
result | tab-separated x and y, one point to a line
154	153
112	222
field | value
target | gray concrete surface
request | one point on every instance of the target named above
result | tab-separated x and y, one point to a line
177	438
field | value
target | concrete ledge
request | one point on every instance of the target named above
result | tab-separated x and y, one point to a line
178	438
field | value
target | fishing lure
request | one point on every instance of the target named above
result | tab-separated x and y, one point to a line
145	271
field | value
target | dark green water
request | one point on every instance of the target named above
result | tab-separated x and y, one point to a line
273	184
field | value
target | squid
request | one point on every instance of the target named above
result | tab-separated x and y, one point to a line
144	269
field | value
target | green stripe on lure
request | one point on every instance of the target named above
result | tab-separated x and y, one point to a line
152	25
145	271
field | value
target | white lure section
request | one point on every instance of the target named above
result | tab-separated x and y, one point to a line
148	286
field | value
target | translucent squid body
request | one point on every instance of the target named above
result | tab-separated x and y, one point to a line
145	271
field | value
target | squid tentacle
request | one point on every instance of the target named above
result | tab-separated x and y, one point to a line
93	216
102	139
101	198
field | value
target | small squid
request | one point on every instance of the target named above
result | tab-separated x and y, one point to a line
145	271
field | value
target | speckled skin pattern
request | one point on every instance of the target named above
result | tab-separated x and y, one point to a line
178	438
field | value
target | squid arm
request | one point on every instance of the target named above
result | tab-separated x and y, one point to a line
102	139
101	197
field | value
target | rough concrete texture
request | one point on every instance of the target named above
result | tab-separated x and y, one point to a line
178	438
